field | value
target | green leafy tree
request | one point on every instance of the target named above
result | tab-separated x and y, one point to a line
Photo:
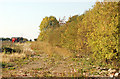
95	32
103	35
48	22
73	18
45	26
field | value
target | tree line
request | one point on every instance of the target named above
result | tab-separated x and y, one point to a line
18	39
95	32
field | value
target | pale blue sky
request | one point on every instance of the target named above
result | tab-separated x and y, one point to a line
22	17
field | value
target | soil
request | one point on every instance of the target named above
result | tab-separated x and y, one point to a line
43	65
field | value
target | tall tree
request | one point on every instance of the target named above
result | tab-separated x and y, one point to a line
48	22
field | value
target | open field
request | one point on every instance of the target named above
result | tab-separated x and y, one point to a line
40	59
60	39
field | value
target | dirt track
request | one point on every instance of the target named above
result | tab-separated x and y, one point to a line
43	65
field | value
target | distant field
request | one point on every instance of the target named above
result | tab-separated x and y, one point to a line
9	47
11	51
40	59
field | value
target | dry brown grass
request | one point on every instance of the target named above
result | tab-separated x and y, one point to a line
44	47
11	57
4	57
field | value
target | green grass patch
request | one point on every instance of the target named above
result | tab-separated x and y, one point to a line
37	68
11	68
5	65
